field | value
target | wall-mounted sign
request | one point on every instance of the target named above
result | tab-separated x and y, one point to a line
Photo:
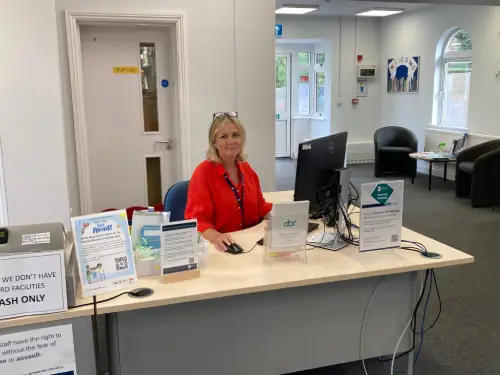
304	77
47	350
278	30
126	70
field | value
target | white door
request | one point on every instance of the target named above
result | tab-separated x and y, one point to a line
129	114
283	101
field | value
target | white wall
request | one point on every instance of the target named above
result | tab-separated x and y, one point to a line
418	33
230	67
346	36
31	123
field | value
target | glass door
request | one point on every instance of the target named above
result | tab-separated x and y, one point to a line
283	109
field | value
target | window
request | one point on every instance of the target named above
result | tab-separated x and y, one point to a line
149	92
320	59
303	93
456	66
319	106
304	58
281	83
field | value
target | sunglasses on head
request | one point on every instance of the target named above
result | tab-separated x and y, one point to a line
224	114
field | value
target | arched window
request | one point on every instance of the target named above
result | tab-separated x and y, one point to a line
456	64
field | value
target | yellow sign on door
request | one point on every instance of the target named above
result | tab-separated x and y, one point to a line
125	70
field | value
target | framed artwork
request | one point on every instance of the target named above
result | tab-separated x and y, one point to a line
403	74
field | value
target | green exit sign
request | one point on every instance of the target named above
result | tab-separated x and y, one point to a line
277	116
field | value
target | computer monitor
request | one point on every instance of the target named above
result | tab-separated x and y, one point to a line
317	161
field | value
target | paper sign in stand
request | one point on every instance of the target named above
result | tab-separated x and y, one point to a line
381	215
104	252
286	231
32	283
179	251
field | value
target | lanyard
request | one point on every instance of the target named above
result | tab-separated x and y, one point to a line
238	198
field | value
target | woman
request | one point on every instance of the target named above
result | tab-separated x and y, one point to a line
224	191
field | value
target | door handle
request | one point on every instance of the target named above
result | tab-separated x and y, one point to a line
167	143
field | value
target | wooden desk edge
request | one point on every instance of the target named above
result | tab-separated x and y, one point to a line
46	318
150	303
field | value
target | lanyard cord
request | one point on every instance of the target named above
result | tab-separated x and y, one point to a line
239	199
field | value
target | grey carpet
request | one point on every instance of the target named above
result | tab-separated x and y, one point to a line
467	337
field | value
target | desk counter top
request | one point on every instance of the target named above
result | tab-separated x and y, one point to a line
230	275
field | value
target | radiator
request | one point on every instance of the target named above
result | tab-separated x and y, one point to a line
360	152
433	137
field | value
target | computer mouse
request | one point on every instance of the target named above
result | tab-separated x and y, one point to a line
234	248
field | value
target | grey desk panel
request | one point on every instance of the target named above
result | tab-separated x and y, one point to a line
82	337
263	333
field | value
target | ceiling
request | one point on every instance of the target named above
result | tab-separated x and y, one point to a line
347	7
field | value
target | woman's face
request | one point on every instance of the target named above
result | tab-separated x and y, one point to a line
228	141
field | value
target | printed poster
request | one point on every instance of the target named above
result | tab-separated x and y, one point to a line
381	215
104	252
46	351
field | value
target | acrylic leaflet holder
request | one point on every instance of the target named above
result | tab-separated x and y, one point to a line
286	232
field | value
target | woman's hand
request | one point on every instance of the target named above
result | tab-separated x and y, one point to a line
220	240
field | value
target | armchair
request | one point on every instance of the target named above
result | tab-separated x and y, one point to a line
393	145
478	174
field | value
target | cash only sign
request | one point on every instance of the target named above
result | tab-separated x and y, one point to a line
32	283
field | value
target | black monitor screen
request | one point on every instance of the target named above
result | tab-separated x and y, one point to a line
316	161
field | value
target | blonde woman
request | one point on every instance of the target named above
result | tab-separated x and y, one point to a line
224	191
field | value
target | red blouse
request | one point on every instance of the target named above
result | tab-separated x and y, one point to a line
212	201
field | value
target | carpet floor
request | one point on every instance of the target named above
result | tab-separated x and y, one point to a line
467	337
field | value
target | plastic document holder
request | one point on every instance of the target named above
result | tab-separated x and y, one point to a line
286	232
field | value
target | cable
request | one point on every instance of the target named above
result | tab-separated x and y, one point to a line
104	300
422	293
399	342
245	252
423	321
413	319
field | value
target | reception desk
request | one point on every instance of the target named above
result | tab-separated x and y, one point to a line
249	316
246	315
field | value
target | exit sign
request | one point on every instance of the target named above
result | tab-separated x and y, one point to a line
278	30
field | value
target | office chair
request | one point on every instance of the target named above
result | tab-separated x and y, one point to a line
176	200
393	146
478	174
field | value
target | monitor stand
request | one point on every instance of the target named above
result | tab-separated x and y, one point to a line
328	241
334	196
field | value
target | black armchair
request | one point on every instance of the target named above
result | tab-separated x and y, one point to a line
393	145
478	174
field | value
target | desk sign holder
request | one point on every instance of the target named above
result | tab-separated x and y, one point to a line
32	284
286	233
104	252
179	251
381	216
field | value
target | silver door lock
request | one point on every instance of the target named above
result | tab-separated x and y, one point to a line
167	143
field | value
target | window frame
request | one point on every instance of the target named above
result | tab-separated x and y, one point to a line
298	61
447	57
309	72
315	88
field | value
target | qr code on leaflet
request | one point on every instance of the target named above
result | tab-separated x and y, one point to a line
191	260
121	263
394	238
